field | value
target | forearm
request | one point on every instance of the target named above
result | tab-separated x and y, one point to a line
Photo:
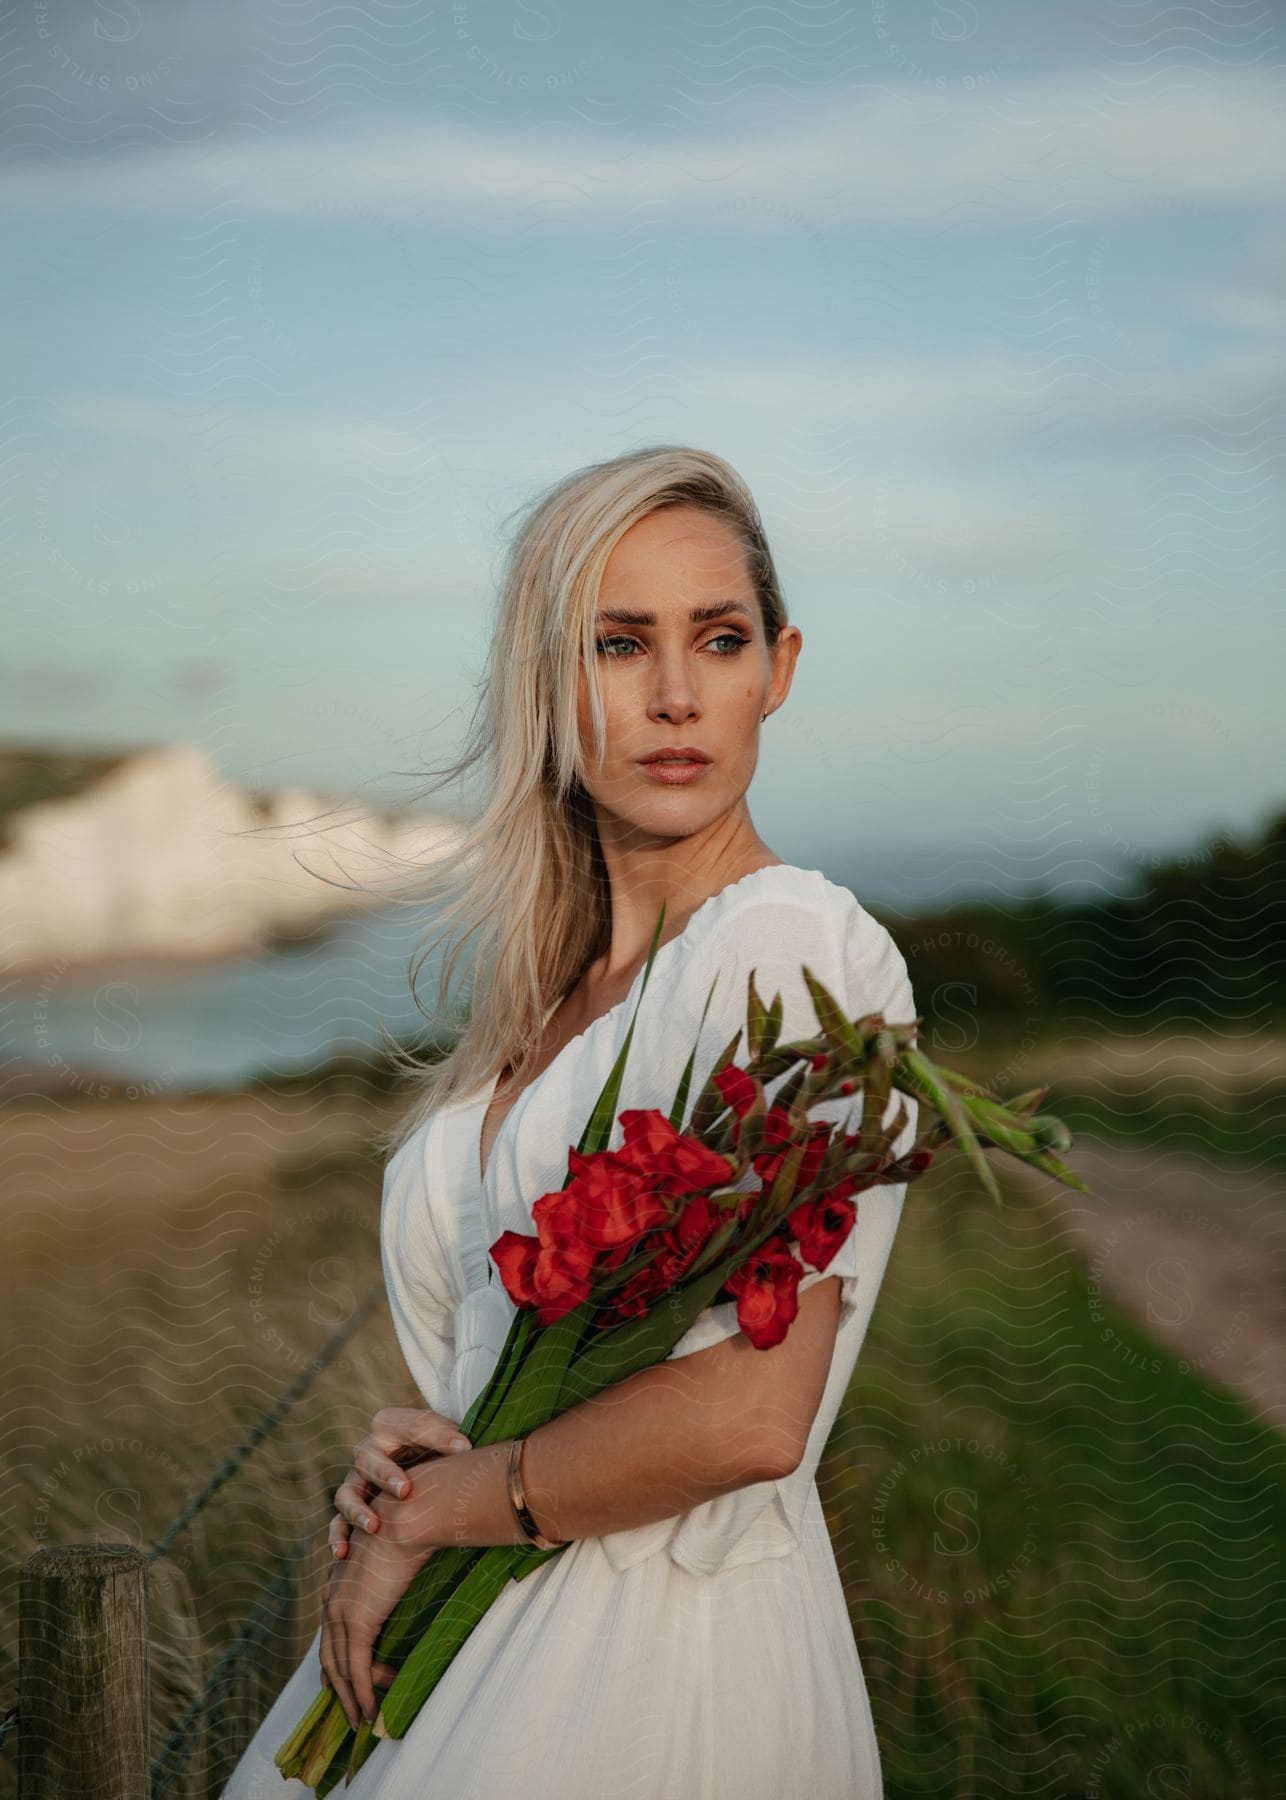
648	1448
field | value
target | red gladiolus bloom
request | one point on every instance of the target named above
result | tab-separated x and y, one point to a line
767	1290
561	1279
768	1162
680	1246
821	1226
694	1225
811	1162
603	1205
515	1258
777	1125
554	1280
613	1258
736	1089
668	1158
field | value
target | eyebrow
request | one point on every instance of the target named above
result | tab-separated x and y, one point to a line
716	609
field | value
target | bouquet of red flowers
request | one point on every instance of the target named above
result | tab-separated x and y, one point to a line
640	1240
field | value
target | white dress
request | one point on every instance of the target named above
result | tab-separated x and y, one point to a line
707	1656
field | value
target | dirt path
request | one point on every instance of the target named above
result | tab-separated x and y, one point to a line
1197	1252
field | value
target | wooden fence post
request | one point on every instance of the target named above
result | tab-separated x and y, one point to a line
82	1676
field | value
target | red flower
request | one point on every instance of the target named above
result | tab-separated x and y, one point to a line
821	1226
515	1257
777	1125
818	1139
669	1259
692	1229
635	1298
736	1089
553	1279
766	1287
606	1203
680	1246
768	1162
619	1253
673	1161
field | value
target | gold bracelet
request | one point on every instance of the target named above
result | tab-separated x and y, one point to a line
518	1501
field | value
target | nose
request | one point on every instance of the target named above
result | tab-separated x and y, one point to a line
674	696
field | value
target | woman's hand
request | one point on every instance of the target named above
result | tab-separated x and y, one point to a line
399	1437
361	1592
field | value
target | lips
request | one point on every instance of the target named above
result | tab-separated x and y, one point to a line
680	767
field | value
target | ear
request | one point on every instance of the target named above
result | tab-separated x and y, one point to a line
784	653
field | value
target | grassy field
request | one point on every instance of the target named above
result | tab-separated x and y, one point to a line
1062	1558
1221	1096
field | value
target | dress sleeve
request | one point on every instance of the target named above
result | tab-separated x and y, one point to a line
857	960
415	1270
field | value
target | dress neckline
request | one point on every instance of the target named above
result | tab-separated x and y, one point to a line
679	937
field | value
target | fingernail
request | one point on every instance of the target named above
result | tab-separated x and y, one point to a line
399	1487
366	1522
459	1443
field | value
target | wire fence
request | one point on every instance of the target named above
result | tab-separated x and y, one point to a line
194	1760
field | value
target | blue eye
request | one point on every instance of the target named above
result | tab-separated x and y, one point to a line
604	645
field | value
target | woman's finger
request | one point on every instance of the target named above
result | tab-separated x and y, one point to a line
339	1682
384	1465
330	1672
383	1674
354	1648
351	1503
360	1647
337	1536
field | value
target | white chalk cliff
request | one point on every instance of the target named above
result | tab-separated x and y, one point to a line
164	856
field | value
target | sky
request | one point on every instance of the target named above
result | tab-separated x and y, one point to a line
302	301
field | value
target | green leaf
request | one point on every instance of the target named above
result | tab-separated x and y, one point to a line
756	1019
640	1343
925	1079
790	1090
598	1132
772	1027
685	1080
435	1652
832	1018
711	1104
1050	1165
481	1415
533	1396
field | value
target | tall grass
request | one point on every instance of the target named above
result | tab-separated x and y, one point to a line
1062	1557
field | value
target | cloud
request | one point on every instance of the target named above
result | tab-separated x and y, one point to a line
993	398
252	440
1062	147
896	412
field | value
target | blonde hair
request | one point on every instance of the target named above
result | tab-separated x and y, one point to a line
527	882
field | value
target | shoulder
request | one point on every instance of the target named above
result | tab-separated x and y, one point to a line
775	922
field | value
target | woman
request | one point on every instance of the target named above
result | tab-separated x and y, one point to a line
693	1638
